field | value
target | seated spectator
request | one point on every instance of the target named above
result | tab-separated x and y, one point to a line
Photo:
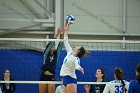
96	88
7	87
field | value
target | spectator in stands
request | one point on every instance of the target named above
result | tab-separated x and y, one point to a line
7	87
96	88
134	86
118	85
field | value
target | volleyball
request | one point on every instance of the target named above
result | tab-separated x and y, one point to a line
70	19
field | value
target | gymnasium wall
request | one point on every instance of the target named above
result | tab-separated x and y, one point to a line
93	17
14	13
25	65
103	16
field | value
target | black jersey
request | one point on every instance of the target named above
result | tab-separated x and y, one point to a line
50	63
96	88
8	87
49	59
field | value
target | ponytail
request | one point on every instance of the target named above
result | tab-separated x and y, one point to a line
82	52
125	90
86	53
119	75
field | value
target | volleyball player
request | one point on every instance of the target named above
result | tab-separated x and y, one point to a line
118	85
134	86
48	69
96	88
71	62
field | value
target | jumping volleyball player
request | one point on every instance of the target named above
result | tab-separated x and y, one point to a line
72	61
48	69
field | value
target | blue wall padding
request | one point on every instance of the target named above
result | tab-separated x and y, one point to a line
26	64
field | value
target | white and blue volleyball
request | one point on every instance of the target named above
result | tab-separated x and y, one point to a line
70	19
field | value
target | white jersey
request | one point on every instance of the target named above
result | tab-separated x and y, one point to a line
115	86
59	89
70	62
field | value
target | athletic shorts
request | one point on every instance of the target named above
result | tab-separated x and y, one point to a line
47	77
68	80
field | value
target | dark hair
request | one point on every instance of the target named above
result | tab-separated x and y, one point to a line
48	46
82	52
102	71
119	75
138	71
5	70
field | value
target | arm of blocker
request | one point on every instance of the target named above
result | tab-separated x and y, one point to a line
47	50
59	48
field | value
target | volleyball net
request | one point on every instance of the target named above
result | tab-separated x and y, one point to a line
40	44
107	45
24	58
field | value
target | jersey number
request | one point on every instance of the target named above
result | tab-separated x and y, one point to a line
65	61
119	89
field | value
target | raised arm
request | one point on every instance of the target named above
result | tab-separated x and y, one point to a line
48	47
66	43
69	20
59	48
58	32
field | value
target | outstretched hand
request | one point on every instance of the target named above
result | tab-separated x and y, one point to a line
58	32
62	30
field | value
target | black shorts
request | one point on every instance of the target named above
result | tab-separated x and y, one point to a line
44	77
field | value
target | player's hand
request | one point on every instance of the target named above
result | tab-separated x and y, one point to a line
86	87
59	31
48	73
82	70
